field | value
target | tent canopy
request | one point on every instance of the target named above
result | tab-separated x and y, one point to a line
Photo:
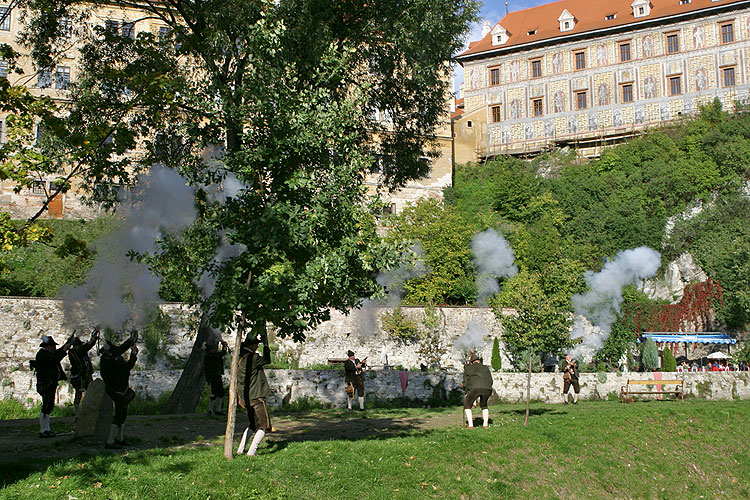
690	338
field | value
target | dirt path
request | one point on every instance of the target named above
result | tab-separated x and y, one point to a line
20	442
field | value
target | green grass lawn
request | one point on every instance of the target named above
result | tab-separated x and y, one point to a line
670	450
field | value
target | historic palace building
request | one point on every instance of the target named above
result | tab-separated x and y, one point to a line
587	73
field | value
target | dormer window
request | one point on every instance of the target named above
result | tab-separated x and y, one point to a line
610	17
531	32
641	8
684	2
499	35
567	21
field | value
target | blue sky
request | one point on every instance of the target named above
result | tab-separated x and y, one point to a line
493	11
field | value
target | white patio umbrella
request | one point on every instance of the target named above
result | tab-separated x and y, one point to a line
718	355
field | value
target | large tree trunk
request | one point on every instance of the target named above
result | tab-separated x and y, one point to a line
189	389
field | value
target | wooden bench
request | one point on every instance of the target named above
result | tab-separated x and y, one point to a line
626	390
336	361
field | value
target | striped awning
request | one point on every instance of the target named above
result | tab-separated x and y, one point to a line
713	338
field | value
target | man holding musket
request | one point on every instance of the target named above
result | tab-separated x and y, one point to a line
48	373
81	369
252	390
116	375
477	384
570	377
213	367
354	380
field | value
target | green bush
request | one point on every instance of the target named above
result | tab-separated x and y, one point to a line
398	326
496	361
669	364
649	356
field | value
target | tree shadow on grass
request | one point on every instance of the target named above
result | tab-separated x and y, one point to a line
23	453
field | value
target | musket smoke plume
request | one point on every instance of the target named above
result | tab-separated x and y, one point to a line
393	280
600	305
474	336
493	258
118	289
365	319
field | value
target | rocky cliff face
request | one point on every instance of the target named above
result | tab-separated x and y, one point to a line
679	273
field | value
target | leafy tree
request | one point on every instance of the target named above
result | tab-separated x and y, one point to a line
649	356
444	239
279	98
496	362
541	321
669	364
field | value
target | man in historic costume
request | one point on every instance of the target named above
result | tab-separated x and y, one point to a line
115	372
570	377
81	369
48	373
252	390
354	380
213	366
477	384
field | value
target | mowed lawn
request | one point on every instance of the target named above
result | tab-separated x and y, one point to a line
659	449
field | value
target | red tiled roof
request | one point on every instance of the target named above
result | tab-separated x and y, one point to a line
589	15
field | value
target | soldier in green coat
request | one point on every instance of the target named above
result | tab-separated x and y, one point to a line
252	390
477	384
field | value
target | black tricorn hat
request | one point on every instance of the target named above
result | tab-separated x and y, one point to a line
46	340
350	353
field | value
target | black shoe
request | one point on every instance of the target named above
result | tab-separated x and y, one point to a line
46	434
361	409
112	446
122	443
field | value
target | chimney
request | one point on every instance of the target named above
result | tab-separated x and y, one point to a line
486	27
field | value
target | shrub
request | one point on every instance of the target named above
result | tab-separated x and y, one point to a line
496	362
649	356
397	325
669	364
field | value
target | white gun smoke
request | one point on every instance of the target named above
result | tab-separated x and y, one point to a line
493	258
118	290
473	337
601	304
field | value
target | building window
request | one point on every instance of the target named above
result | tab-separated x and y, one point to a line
3	69
728	77
684	2
495	76
66	27
627	92
610	17
567	25
44	78
128	30
580	60
112	26
581	100
497	114
38	187
641	10
5	16
537	106
536	68
673	43
62	78
727	33
625	52
675	85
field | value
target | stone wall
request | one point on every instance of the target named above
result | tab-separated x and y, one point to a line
327	387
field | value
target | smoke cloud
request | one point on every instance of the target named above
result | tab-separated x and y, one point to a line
393	280
473	337
597	309
118	289
493	258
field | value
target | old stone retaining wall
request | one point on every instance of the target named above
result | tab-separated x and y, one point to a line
326	386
